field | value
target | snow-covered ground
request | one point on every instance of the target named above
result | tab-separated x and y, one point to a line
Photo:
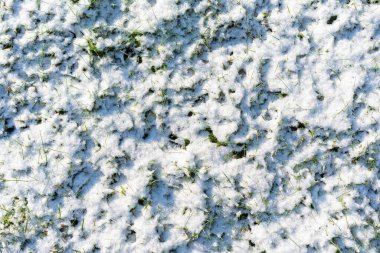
189	126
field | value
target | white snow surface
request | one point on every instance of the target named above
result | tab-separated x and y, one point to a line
189	126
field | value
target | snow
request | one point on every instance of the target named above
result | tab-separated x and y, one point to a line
189	126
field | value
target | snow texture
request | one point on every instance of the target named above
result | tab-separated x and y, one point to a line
189	126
